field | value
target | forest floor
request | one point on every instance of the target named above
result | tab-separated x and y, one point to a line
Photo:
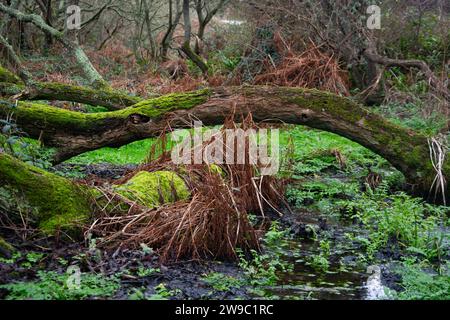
342	240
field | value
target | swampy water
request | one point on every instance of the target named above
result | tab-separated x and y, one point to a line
345	278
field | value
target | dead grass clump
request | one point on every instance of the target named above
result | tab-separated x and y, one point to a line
310	69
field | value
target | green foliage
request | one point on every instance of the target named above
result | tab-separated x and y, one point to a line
32	258
221	282
13	140
137	294
14	258
313	151
419	284
321	261
315	191
408	221
53	286
275	237
162	293
411	115
132	153
428	45
145	272
95	109
223	61
263	269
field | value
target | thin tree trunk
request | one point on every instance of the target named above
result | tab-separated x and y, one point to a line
187	40
173	23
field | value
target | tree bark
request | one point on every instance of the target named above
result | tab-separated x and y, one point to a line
74	133
204	19
24	74
173	23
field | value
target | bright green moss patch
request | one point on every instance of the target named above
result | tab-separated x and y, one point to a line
320	101
152	189
66	120
157	106
132	153
69	222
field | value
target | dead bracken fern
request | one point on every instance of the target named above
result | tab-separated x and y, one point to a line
310	69
213	223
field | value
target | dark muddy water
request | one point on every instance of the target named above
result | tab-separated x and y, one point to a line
345	279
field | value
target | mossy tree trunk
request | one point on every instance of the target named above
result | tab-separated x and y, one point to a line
186	47
74	133
57	202
110	99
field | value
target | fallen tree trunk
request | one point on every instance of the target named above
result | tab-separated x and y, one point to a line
110	99
74	133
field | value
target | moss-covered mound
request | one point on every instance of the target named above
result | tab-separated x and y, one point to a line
59	204
151	189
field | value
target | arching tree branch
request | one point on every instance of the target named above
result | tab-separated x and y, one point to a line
74	133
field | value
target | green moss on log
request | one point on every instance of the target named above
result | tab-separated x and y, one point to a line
55	91
59	203
403	147
65	120
106	97
7	76
152	189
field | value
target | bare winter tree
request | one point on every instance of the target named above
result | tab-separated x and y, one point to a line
186	48
206	10
70	45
